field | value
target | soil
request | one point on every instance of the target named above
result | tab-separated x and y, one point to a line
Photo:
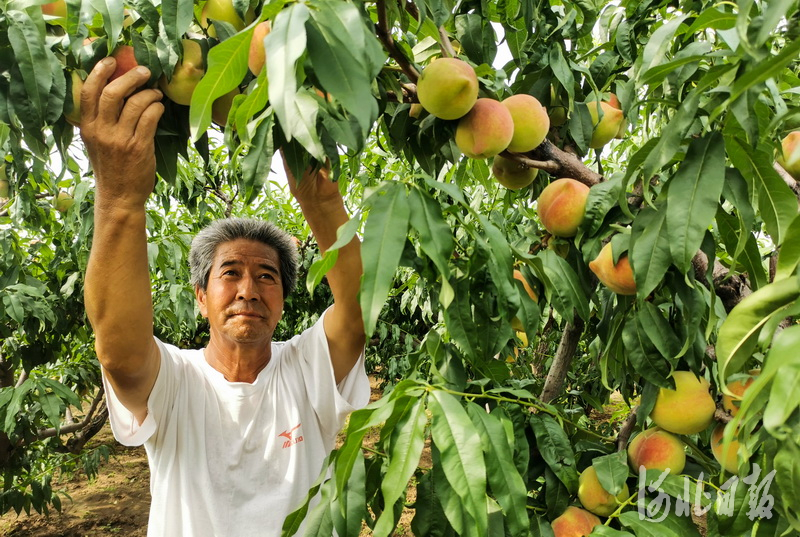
117	501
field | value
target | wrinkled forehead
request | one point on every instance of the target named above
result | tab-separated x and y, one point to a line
246	251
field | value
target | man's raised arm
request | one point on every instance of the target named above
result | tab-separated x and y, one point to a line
323	208
118	129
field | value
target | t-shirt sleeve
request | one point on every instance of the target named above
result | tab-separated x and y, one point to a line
332	402
126	428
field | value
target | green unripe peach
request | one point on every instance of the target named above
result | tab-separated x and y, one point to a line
656	449
221	107
63	202
187	74
727	458
4	186
605	128
486	130
448	88
688	409
617	277
561	206
511	174
789	158
223	10
574	522
531	122
72	110
595	498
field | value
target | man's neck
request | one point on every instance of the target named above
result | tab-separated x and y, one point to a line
238	363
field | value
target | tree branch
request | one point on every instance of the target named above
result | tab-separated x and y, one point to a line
788	179
385	35
447	46
556	162
562	360
626	429
72	427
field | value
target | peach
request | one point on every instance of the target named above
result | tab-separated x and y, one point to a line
223	10
258	56
55	9
486	130
619	277
72	110
511	174
623	126
595	498
187	74
729	460
126	60
605	128
561	206
738	387
789	158
574	522
448	88
656	449
4	186
556	111
62	202
516	323
531	122
221	107
415	110
688	409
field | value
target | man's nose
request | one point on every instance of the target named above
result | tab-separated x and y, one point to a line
248	290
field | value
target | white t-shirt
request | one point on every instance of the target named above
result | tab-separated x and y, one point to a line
233	459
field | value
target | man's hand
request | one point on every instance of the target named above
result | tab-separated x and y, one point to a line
118	129
315	187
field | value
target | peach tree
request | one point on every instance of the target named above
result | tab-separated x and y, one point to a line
545	358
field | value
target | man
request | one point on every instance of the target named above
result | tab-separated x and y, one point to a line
236	432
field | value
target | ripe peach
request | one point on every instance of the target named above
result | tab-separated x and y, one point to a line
187	74
656	449
738	387
789	158
531	122
605	128
561	206
574	522
258	56
55	9
448	88
619	277
126	60
688	409
72	110
516	323
595	498
486	130
415	110
512	174
729	460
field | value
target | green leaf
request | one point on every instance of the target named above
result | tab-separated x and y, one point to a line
784	397
458	318
658	330
612	471
461	456
602	198
649	253
435	236
643	356
227	65
556	449
789	254
176	18
731	236
384	240
506	483
673	134
408	439
561	69
693	197
713	18
30	54
565	291
51	406
738	335
658	44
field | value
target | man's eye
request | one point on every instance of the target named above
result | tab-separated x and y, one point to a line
229	273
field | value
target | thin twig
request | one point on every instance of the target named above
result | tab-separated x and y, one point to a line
626	429
385	35
71	428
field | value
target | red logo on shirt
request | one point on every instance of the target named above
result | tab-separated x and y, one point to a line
290	438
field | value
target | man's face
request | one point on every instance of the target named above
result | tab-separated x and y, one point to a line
243	300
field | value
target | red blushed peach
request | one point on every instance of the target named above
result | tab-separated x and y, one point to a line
531	122
486	130
574	522
605	128
688	409
656	449
617	277
595	498
448	88
561	206
789	158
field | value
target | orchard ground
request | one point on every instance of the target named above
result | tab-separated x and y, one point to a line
117	501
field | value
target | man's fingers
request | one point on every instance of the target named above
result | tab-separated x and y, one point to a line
148	121
93	87
135	107
114	94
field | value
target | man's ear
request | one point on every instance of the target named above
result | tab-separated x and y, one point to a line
200	295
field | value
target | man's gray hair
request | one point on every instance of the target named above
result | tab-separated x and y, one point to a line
204	248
